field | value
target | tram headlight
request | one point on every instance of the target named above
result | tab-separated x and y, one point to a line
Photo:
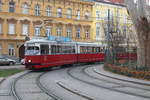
29	61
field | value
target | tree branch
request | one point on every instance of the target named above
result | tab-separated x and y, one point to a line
133	12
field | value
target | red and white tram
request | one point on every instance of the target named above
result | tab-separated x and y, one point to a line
43	53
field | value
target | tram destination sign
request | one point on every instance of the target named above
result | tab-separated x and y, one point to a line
59	39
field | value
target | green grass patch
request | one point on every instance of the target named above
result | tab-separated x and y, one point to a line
9	72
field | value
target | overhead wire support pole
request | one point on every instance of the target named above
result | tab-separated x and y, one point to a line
108	38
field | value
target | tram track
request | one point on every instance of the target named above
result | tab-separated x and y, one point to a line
55	97
81	74
99	85
62	86
18	96
123	84
74	91
2	81
13	86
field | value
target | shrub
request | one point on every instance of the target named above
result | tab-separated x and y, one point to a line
128	71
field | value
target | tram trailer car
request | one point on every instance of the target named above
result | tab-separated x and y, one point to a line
41	53
127	55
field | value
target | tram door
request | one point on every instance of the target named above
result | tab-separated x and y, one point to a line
21	52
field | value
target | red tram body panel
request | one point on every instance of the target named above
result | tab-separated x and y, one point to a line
43	61
83	58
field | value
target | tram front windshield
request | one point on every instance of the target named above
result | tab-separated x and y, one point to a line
32	50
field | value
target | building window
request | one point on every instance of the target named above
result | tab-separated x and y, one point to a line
37	10
37	31
25	29
78	14
25	8
97	15
59	31
87	34
86	15
59	12
78	31
125	18
69	32
109	13
0	49
135	1
1	6
97	30
69	13
148	2
11	50
11	29
1	28
106	28
11	7
48	31
49	11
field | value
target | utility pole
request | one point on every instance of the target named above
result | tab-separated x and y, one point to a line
108	47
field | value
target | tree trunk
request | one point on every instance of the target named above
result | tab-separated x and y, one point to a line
143	50
139	12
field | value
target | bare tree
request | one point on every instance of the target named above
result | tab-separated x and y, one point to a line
114	37
139	11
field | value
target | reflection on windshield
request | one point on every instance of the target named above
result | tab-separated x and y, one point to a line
32	50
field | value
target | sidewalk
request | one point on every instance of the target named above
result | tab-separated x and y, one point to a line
100	70
12	66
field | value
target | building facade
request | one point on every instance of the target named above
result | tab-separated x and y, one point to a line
119	21
20	19
80	20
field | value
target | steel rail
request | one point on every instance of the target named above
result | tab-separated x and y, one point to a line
44	89
101	86
13	86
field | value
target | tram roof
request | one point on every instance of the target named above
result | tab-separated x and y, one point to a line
45	40
40	40
90	44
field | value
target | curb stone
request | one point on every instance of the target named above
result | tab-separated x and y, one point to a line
120	77
1	80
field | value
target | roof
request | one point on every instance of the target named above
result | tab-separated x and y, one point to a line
113	2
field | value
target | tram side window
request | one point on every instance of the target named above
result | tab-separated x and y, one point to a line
44	49
98	50
53	47
68	49
32	50
89	49
73	49
102	50
62	49
81	49
59	49
93	49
